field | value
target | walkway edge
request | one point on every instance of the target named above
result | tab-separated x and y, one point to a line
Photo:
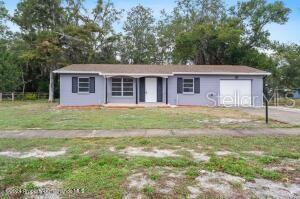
147	133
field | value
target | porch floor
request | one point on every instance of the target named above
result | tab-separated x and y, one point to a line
140	105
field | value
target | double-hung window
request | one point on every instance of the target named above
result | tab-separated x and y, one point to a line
122	86
83	84
188	86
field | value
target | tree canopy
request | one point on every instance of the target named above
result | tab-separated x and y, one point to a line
55	33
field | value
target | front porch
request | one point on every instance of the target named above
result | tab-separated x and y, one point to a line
136	91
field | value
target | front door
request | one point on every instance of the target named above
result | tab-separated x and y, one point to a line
151	89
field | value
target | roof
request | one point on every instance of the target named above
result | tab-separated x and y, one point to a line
159	70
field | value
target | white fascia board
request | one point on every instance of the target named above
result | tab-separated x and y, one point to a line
137	74
77	72
218	73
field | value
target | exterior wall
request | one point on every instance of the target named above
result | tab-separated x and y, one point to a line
210	90
208	96
130	99
67	98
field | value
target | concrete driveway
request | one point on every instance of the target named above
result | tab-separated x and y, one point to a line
282	114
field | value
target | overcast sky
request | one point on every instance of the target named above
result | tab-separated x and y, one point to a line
290	32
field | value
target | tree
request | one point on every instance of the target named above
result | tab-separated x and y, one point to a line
254	16
9	71
226	38
139	42
289	58
207	44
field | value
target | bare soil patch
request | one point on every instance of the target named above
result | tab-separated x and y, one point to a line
227	186
225	153
268	189
220	184
153	152
38	190
162	183
33	153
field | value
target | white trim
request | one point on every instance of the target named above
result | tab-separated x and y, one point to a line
137	75
157	74
218	73
188	93
83	92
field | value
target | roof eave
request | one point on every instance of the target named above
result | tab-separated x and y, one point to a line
220	73
160	74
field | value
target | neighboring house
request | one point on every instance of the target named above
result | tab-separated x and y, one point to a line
296	94
204	85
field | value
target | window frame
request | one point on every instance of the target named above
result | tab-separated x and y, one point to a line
88	87
183	87
122	91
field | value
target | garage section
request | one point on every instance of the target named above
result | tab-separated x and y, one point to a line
236	93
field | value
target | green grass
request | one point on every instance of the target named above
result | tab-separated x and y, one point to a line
42	115
103	174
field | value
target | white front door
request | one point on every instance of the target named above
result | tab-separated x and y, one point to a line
235	93
151	89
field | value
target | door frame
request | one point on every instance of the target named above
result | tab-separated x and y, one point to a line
154	90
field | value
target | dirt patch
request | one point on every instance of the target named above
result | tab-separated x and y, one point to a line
221	184
256	153
225	153
33	153
289	168
136	183
161	180
153	152
268	189
199	157
227	186
37	190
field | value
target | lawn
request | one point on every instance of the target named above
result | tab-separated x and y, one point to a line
43	115
166	167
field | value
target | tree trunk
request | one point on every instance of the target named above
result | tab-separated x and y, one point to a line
51	88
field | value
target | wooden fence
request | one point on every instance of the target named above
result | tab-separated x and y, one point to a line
12	96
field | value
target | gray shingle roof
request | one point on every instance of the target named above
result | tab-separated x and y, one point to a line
125	69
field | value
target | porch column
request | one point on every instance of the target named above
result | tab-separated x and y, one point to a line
51	87
167	90
105	90
136	91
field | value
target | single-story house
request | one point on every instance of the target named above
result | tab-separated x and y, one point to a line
204	85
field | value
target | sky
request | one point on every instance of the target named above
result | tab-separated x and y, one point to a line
288	33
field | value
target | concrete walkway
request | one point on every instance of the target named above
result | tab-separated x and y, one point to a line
282	114
147	133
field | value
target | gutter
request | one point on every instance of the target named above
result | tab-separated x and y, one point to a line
158	74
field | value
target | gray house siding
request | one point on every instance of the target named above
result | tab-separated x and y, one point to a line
67	98
210	90
208	96
131	99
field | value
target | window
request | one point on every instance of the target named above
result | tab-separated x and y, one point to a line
83	84
122	86
188	85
